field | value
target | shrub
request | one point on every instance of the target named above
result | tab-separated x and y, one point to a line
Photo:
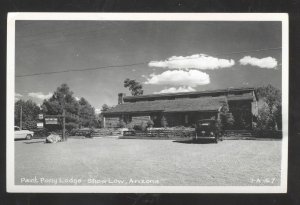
150	123
70	126
268	134
141	127
130	126
137	127
144	126
29	125
40	133
73	132
219	127
121	124
179	127
164	122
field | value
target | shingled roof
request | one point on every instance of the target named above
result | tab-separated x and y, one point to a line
177	105
206	93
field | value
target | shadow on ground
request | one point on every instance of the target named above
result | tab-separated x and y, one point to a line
20	139
195	141
35	142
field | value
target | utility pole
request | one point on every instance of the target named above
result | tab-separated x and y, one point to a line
64	125
64	118
21	118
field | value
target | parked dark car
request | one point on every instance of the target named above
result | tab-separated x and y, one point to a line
208	130
87	132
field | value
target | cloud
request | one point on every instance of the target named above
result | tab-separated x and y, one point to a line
18	96
190	78
177	90
197	61
97	110
267	62
40	95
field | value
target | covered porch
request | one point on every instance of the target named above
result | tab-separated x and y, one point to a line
177	112
186	119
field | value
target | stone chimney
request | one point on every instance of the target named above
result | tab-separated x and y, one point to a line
120	98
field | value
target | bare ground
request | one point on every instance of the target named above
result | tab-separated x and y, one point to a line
111	161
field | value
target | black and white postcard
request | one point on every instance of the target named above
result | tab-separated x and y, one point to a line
147	103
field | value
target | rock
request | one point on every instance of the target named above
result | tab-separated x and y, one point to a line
53	138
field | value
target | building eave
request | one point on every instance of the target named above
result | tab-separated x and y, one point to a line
130	98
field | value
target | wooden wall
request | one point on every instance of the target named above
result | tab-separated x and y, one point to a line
188	119
137	120
112	121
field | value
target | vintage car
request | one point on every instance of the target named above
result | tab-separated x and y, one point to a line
23	134
86	132
207	129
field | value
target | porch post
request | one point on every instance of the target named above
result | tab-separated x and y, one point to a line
104	123
163	121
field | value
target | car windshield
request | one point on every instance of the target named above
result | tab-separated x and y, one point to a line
205	126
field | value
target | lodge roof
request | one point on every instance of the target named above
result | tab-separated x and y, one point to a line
185	94
178	105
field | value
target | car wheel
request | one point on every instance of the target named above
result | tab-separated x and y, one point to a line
28	137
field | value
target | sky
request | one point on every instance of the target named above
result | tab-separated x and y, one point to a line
170	57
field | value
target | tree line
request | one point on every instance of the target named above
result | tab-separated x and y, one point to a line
80	113
83	113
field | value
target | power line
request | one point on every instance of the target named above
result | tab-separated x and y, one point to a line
141	63
84	69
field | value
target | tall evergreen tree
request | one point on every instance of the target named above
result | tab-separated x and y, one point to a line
62	99
87	116
269	113
30	111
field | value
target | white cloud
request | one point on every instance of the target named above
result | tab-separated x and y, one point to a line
197	61
268	62
18	96
177	90
190	78
97	110
40	95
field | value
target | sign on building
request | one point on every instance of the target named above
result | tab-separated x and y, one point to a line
51	121
40	125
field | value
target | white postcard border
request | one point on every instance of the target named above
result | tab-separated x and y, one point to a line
10	166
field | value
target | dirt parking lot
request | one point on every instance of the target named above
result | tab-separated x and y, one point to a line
112	161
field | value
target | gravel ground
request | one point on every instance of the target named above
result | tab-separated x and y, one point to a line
111	161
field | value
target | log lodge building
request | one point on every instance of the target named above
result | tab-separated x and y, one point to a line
184	109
